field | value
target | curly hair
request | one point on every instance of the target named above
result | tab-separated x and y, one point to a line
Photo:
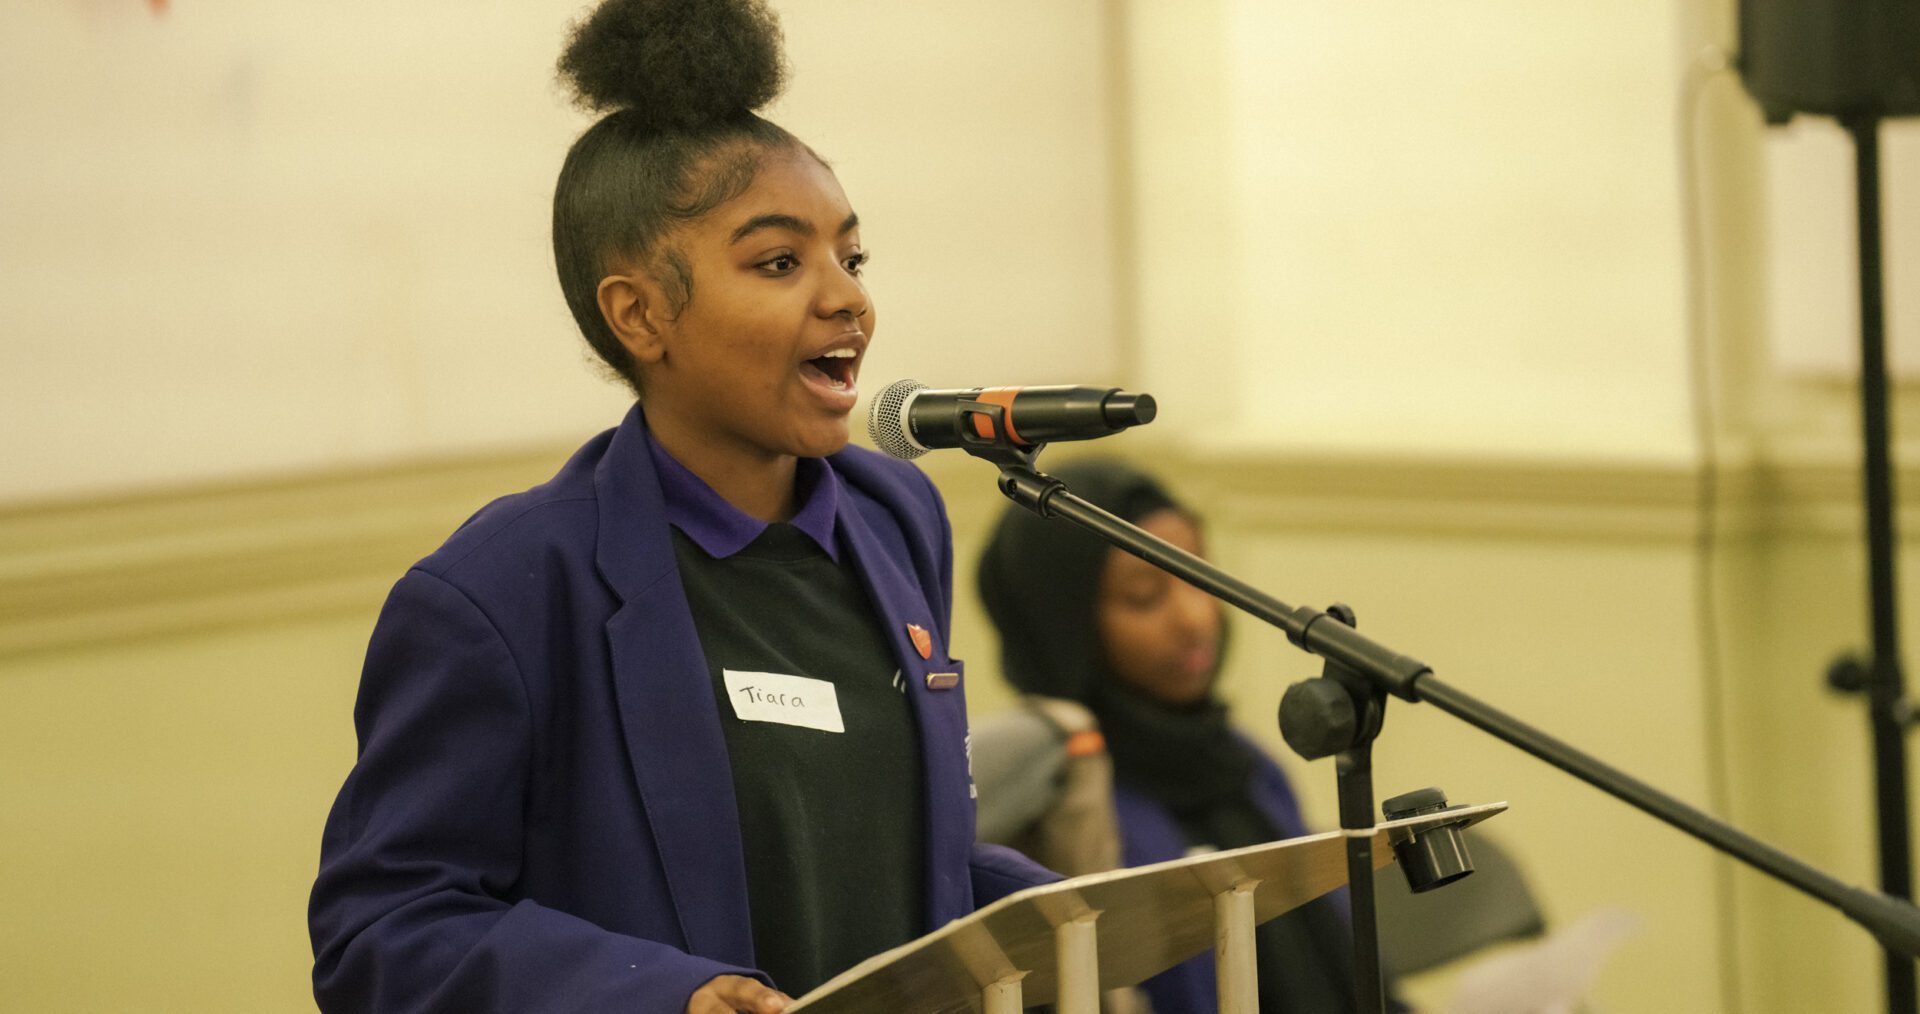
679	81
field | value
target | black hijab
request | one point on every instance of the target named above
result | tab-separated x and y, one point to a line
1040	580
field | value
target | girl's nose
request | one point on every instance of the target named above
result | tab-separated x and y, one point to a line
842	295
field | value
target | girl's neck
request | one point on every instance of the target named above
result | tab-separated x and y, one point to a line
757	483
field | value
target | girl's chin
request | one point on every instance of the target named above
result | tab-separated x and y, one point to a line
819	441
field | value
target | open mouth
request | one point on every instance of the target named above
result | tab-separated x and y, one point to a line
835	370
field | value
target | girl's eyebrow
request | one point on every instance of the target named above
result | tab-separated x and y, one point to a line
791	223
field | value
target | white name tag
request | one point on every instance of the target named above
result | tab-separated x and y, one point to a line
788	700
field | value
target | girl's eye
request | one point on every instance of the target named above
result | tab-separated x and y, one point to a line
781	264
857	261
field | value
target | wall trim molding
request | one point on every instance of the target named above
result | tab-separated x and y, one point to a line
94	571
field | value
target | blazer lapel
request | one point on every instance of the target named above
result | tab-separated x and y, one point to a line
667	712
941	713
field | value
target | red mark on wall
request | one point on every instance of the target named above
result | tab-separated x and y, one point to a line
159	6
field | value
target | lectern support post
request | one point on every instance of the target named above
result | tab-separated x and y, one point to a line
1236	973
1003	997
1077	951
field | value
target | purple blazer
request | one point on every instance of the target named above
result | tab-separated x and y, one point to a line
542	815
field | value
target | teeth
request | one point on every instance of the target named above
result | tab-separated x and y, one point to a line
836	354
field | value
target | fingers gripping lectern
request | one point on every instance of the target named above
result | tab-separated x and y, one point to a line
1065	943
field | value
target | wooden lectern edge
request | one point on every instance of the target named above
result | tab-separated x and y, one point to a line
1466	816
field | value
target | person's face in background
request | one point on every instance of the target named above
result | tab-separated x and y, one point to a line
1161	635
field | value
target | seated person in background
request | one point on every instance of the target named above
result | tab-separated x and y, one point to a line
1141	650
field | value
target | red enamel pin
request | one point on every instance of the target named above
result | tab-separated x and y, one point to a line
922	641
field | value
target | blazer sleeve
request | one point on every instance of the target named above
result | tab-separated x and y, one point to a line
998	871
411	910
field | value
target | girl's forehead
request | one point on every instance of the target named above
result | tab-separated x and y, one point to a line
791	184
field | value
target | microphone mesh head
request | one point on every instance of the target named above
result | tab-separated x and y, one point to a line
887	421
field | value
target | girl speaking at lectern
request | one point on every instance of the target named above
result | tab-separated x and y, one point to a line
679	729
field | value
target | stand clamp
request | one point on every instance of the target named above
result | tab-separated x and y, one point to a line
1851	674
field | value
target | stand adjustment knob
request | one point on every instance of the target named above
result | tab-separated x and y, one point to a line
1317	718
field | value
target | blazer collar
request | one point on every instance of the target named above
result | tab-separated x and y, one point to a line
633	549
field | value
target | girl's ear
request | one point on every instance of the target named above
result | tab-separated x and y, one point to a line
634	307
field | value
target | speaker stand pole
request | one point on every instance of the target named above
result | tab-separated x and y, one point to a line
1884	682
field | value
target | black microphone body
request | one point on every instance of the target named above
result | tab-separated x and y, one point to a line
909	419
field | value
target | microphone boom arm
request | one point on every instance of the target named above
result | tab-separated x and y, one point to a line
1893	921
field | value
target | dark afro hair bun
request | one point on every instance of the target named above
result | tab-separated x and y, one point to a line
675	64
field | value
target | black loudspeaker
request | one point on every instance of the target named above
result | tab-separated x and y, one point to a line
1831	57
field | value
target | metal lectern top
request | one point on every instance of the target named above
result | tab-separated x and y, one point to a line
1139	921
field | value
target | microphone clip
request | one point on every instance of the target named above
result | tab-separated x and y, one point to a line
984	435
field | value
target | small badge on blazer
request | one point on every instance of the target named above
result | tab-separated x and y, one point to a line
942	680
922	640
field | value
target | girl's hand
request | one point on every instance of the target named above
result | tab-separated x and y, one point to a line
726	994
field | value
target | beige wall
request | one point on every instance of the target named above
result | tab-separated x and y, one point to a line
247	238
176	672
1410	284
164	802
1471	207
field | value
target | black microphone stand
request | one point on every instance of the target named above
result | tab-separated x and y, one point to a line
1366	672
1880	677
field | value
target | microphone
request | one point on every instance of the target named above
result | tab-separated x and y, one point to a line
909	419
